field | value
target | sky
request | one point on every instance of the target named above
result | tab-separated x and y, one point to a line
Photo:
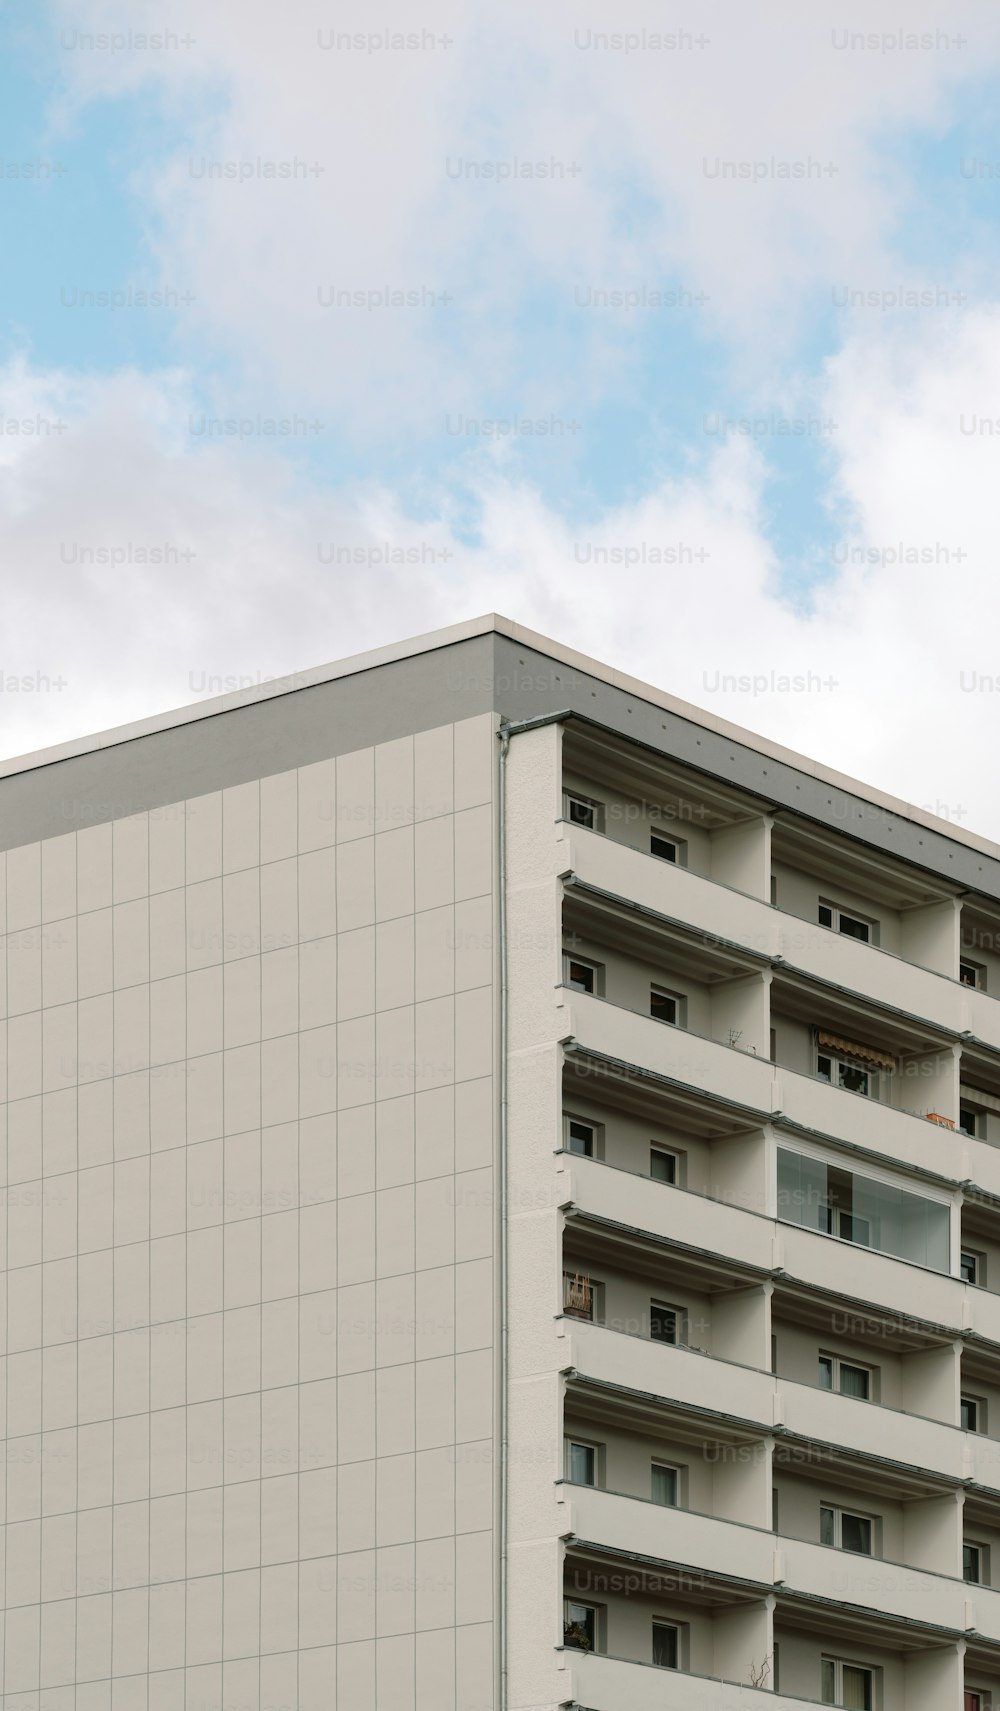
670	331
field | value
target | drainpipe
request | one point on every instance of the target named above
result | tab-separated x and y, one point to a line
504	734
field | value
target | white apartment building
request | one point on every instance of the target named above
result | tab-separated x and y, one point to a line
502	1183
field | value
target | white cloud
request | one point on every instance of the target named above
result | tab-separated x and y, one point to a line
261	597
257	598
770	90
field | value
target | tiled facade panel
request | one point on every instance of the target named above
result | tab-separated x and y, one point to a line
249	1246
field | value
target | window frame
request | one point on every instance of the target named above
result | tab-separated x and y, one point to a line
571	1442
658	1151
838	1513
837	1363
679	1339
667	1467
678	845
839	1065
982	1552
966	1399
596	1135
978	981
978	1266
569	1312
839	913
596	1612
678	999
596	988
978	1115
838	1665
677	1629
594	803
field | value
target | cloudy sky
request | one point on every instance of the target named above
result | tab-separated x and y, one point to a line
670	331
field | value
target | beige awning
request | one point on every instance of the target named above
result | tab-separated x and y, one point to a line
854	1049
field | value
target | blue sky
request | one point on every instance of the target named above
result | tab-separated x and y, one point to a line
844	417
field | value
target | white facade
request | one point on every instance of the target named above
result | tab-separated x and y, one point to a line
464	1046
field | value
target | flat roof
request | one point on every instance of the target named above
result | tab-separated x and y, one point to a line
412	648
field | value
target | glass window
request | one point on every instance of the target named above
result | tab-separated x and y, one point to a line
970	1120
662	847
857	1688
844	1531
973	1414
844	1377
665	1645
665	1485
854	1381
583	811
581	1463
971	1564
972	974
580	1626
664	1006
580	1137
971	1269
662	1166
856	1534
847	1684
663	1322
578	1295
843	921
857	1209
581	976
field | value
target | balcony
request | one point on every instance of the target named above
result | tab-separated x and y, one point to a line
651	1375
707	1549
832	959
617	1684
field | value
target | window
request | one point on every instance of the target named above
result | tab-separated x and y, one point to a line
851	1685
665	1485
851	925
581	1137
774	890
582	1462
972	974
846	1531
976	1564
836	1202
845	1378
580	1625
583	811
973	1267
666	1644
977	1701
662	1165
666	1006
665	1322
839	1072
774	1508
774	1353
663	847
578	1295
582	976
972	1414
972	1121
